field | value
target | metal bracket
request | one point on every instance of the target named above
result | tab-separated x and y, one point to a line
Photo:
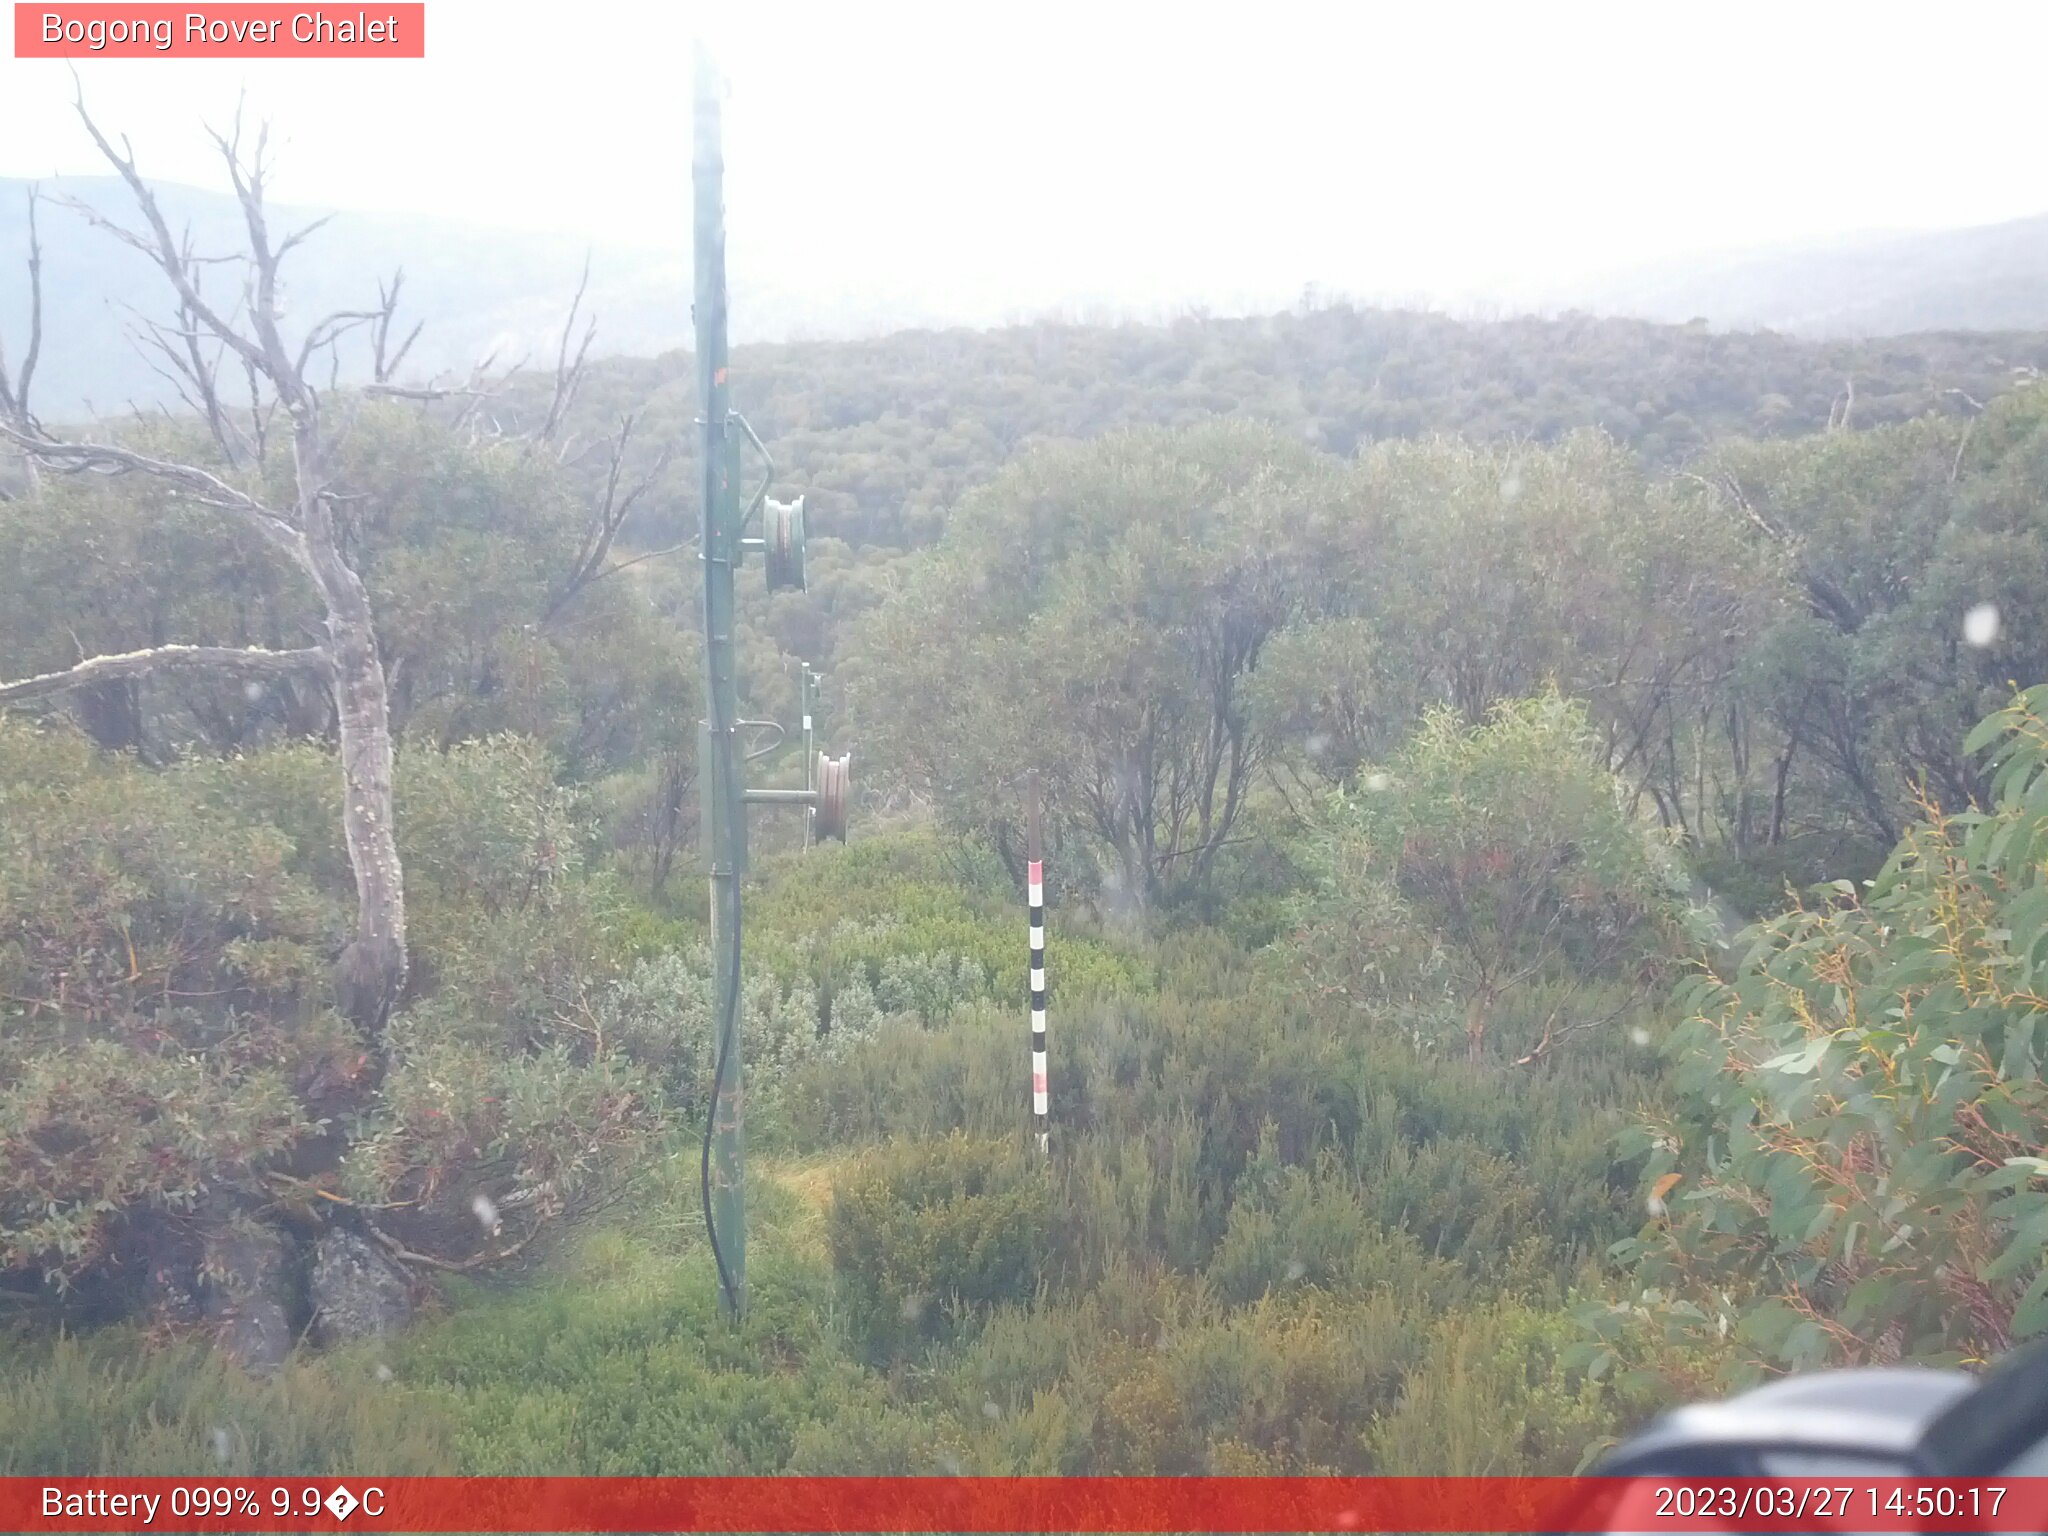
767	464
781	735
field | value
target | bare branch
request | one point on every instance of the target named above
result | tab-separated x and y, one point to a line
14	396
412	392
1956	465
652	554
234	661
248	179
105	458
384	362
298	236
406	1255
101	222
197	380
568	371
1842	407
261	410
161	247
1733	491
328	330
1554	1036
605	523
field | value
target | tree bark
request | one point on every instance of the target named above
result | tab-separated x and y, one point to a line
233	661
1478	1014
371	971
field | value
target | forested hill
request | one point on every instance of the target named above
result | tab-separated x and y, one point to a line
884	434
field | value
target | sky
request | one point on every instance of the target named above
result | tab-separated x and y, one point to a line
1411	151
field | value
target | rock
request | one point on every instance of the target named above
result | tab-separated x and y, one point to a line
356	1291
250	1305
172	1292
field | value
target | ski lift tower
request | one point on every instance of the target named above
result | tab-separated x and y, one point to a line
721	765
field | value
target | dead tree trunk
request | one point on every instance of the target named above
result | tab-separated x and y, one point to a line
14	388
371	970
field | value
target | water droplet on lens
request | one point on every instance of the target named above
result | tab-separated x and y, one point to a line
1980	625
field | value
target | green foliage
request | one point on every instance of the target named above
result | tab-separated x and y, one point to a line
1293	1228
160	1007
113	1405
168	1038
925	1235
888	924
1858	1133
502	1081
1097	614
625	1369
1499	1394
1275	1234
887	433
1888	539
1494	856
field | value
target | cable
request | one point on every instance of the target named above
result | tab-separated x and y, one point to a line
728	1032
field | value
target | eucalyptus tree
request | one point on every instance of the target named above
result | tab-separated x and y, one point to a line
1097	613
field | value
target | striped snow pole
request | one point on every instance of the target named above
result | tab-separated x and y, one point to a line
1034	852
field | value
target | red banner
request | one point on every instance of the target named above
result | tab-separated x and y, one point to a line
239	31
1021	1504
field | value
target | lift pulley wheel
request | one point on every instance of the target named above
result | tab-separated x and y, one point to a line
835	789
782	537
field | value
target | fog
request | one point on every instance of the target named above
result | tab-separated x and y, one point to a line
1136	154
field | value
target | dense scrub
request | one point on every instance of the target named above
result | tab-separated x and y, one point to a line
1255	1235
1410	1113
890	433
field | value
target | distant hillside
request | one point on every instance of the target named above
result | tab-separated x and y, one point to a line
482	291
887	430
478	290
886	433
1987	279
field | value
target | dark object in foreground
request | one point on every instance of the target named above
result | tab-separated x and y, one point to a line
1895	1421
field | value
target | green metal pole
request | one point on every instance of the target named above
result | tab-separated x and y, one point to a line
807	703
720	768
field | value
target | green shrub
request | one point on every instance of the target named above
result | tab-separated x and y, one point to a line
925	1236
112	1405
1292	1229
1498	1395
1483	858
1854	1171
